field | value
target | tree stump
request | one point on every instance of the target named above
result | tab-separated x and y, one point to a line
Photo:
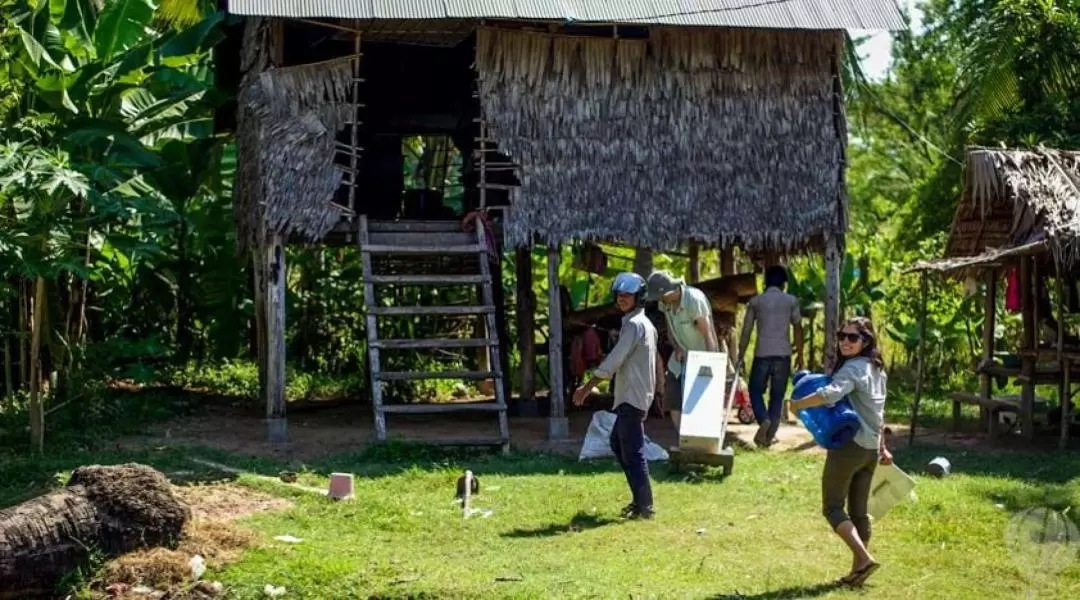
104	510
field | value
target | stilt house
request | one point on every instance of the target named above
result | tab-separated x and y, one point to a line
1017	229
650	124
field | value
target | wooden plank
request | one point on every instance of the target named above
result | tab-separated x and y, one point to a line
275	341
398	311
834	257
495	360
407	226
425	279
431	408
994	403
555	343
416	375
423	238
431	249
372	336
695	263
432	343
477	441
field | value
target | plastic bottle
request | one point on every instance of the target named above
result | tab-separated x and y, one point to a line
831	426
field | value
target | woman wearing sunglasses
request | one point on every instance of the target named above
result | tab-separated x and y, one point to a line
860	375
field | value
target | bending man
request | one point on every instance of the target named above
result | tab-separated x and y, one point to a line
689	327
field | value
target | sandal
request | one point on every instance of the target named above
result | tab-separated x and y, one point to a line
859	577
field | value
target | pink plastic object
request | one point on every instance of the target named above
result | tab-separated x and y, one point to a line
341	486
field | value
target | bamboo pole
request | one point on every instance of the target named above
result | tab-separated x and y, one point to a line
920	372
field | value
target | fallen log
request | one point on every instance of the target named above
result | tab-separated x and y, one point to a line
104	510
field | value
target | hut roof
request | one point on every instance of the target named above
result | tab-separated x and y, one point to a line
1014	202
783	14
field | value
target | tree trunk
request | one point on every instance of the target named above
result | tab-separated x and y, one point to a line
112	510
37	410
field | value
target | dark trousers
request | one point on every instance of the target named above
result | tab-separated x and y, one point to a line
773	372
628	444
849	471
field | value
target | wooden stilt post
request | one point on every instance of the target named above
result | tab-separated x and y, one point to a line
1064	391
834	257
526	325
499	295
695	263
921	371
989	318
727	261
558	424
643	262
1027	366
274	255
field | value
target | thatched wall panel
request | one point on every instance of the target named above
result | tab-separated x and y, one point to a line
286	126
724	136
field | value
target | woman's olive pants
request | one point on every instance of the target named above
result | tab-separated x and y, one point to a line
849	470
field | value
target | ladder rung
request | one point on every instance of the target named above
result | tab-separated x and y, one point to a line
483	441
392	249
414	226
396	311
428	408
405	344
429	279
416	375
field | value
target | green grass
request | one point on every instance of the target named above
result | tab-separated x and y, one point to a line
554	530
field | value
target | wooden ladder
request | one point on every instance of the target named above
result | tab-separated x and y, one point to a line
431	238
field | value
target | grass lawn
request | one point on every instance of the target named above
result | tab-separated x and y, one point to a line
554	530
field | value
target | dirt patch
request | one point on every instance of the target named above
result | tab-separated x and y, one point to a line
211	534
227	502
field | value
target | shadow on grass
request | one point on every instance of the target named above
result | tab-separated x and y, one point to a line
579	522
808	591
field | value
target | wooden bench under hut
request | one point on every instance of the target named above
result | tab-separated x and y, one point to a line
644	124
1016	229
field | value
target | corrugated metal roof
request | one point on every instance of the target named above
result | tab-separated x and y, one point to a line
779	14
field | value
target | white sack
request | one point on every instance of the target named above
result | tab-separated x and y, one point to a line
597	442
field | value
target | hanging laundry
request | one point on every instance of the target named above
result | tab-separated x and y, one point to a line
1012	291
585	352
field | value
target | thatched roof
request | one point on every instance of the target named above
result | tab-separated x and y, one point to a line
1014	202
1014	197
287	119
723	136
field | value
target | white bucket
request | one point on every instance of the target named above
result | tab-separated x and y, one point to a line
889	486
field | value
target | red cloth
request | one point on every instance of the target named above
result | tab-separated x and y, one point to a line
1012	292
477	217
585	353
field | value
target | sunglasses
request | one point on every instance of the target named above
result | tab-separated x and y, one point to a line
850	337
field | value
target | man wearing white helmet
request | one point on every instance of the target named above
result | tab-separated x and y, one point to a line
633	364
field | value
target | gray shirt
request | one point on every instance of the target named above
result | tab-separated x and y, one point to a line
775	312
863	384
633	362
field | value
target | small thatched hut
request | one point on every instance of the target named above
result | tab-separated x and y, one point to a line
650	124
1019	220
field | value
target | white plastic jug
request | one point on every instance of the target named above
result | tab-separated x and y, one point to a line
889	486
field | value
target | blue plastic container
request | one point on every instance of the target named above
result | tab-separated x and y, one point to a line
832	426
